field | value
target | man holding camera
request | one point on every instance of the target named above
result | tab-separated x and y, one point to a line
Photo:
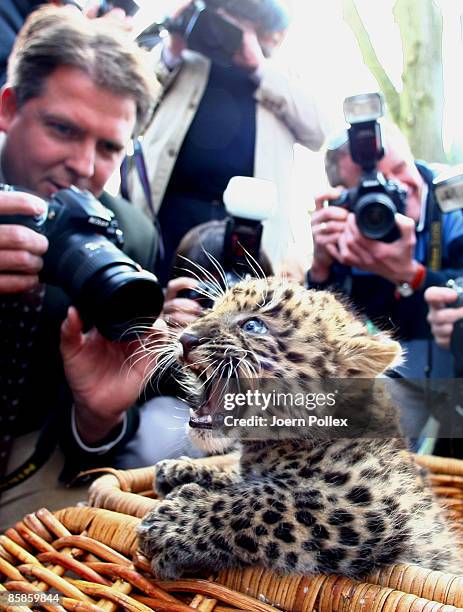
76	93
387	280
226	111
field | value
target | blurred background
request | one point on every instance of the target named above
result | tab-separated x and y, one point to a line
411	50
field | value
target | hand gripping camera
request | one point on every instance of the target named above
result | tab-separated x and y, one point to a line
204	29
108	288
375	200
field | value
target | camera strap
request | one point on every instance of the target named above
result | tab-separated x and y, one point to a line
435	238
434	257
46	444
138	159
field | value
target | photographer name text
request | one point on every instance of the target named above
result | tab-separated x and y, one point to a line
260	421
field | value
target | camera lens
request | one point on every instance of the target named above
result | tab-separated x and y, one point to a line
375	215
107	287
122	301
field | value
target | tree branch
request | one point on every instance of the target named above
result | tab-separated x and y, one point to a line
353	19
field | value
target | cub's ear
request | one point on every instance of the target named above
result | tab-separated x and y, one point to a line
369	356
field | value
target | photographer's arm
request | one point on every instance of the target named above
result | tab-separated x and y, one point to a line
328	223
105	378
285	97
21	248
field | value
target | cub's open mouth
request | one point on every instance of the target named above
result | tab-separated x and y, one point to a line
209	413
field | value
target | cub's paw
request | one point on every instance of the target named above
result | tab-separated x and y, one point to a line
165	539
173	473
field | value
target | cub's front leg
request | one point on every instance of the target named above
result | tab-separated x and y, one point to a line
173	473
196	529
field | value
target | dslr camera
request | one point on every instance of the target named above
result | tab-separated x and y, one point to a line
375	200
204	29
248	201
108	288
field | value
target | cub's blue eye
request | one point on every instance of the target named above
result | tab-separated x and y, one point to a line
255	326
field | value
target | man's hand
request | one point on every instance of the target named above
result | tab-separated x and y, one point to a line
115	15
328	224
393	261
105	377
440	317
176	45
250	54
180	312
21	248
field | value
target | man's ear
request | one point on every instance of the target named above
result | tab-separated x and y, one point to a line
369	356
8	107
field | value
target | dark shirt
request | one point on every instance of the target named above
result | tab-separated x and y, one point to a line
220	141
218	145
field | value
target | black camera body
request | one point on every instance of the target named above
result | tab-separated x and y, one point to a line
249	201
375	200
241	251
108	288
204	30
204	290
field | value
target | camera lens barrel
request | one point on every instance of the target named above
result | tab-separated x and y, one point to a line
375	215
108	287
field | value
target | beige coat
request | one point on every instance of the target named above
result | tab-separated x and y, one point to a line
285	115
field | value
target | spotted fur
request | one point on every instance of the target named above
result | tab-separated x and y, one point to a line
304	505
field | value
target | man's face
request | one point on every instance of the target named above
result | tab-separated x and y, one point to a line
395	165
73	133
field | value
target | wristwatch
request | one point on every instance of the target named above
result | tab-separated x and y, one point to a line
407	289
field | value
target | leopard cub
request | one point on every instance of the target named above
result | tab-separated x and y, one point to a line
304	504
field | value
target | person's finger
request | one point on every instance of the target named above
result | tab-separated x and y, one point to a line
323	240
349	253
361	255
22	238
443	334
405	224
438	297
322	200
178	284
326	228
71	334
182	305
21	203
446	315
20	261
333	251
332	213
17	283
180	319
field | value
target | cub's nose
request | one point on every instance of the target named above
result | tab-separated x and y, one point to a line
189	342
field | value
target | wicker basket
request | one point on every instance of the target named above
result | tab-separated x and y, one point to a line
88	555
